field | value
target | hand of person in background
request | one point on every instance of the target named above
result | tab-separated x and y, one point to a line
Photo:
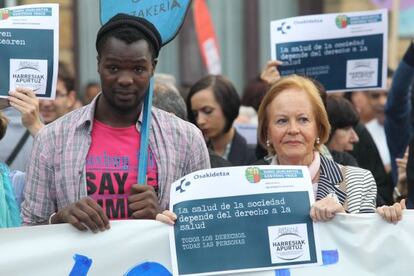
26	102
392	214
270	73
400	190
143	202
167	217
83	214
325	209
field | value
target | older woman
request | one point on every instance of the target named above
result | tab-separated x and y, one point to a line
293	124
213	105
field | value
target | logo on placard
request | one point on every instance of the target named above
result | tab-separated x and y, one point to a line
283	28
341	21
289	243
4	14
180	188
30	73
361	72
253	174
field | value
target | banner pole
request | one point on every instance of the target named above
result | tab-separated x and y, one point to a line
145	129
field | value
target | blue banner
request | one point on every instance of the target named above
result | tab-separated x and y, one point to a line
166	15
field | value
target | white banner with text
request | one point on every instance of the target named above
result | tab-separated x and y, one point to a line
350	245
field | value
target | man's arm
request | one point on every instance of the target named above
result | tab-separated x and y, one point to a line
143	201
39	193
198	157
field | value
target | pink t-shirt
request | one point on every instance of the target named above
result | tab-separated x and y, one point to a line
112	168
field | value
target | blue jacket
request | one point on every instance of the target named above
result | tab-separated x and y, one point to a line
398	125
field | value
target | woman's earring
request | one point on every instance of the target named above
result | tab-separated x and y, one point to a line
318	140
267	143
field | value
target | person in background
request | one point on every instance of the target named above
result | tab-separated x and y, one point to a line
9	214
253	94
12	181
398	122
213	105
16	145
366	154
367	151
84	166
401	189
246	122
91	90
65	98
167	98
343	118
377	99
359	99
21	109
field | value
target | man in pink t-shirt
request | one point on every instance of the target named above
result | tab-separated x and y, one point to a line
85	165
127	49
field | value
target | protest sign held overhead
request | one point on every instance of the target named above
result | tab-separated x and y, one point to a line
29	46
344	51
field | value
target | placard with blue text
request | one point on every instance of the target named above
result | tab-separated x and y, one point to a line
240	219
29	47
343	51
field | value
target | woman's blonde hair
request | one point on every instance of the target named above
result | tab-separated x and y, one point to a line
3	125
300	83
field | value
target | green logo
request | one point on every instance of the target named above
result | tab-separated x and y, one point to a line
341	21
253	174
4	14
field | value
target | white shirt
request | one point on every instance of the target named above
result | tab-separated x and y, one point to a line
378	134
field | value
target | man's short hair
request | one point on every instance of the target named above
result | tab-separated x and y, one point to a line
129	29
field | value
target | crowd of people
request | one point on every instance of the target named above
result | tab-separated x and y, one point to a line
62	162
